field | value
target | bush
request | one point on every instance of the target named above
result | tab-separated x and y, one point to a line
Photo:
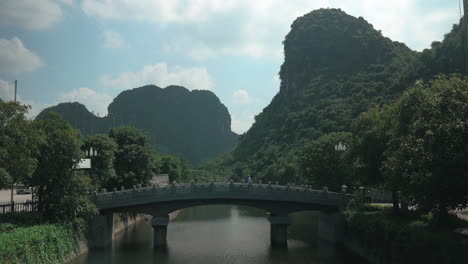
21	218
38	244
404	238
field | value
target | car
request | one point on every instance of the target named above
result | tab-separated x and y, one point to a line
22	189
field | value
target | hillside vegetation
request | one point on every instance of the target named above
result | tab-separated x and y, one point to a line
336	67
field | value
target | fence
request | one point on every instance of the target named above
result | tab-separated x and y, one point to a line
23	206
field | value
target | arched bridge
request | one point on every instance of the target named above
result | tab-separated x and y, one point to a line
277	200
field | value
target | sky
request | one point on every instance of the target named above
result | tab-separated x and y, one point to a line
89	51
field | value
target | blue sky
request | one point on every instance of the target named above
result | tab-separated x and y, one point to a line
91	50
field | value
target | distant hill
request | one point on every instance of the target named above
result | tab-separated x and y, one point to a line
191	124
335	67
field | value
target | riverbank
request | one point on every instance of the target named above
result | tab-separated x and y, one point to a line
382	237
24	239
122	222
47	243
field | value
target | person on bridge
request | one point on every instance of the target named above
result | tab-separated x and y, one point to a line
249	180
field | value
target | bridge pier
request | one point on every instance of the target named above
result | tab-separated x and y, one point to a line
159	224
103	230
279	230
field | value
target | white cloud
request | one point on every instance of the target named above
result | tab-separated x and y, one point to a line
15	58
413	22
211	28
7	91
242	124
191	78
113	40
276	79
94	101
68	2
32	14
36	108
160	11
241	97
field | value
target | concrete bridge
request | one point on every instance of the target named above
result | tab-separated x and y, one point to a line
278	200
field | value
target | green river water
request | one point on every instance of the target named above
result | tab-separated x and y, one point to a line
222	234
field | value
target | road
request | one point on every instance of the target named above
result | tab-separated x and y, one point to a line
5	196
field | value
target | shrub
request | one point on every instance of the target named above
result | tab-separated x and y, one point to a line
404	238
44	244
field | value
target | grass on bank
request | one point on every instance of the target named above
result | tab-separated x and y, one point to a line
409	237
23	239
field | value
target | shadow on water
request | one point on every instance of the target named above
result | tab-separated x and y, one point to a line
203	213
251	212
222	234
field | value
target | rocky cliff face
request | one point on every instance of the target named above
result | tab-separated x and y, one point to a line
192	124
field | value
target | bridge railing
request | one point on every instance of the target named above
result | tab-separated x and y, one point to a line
222	189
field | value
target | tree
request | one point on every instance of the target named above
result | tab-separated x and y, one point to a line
54	177
19	142
5	179
175	167
75	199
374	135
322	165
133	159
369	143
102	171
428	153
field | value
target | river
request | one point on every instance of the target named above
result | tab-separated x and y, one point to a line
222	234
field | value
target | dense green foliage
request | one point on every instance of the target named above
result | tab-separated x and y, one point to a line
445	57
133	157
126	158
102	171
422	144
5	179
52	243
19	144
194	125
404	239
58	186
43	154
322	165
340	74
417	145
176	168
335	67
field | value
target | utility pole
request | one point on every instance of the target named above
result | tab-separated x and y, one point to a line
16	88
12	184
465	33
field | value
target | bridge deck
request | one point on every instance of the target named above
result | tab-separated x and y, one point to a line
218	190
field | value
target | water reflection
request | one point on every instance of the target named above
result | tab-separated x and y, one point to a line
222	234
203	213
250	211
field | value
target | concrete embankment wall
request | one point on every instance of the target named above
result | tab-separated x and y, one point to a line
122	222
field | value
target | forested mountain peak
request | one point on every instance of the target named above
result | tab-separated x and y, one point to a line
192	124
331	42
336	66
